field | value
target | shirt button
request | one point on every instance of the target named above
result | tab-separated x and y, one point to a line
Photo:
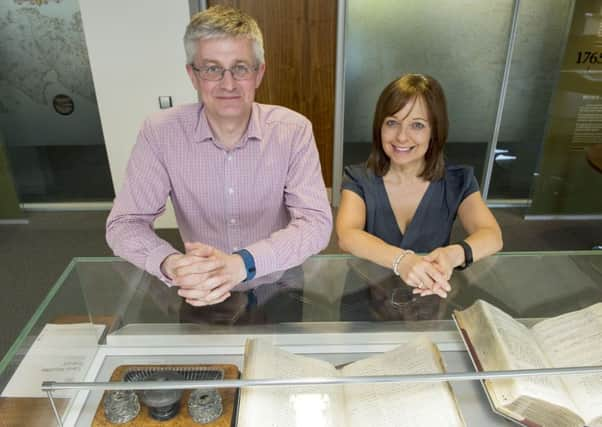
229	157
235	248
232	221
231	190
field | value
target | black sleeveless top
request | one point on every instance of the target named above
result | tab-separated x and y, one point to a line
432	223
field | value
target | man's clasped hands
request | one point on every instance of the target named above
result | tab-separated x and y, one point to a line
204	274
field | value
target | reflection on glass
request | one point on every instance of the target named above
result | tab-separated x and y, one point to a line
401	297
9	208
311	409
343	288
541	32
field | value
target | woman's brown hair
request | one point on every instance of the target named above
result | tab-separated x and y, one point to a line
397	94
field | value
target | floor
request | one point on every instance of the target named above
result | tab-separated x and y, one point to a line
33	256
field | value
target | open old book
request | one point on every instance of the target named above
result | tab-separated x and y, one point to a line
362	405
496	341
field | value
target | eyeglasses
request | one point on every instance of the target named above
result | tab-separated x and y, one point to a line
215	73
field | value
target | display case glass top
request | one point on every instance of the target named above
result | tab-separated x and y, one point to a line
334	304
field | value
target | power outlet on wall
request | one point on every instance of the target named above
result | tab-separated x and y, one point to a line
165	102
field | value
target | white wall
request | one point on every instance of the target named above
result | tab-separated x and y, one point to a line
136	55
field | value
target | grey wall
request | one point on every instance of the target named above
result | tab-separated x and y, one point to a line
43	54
463	44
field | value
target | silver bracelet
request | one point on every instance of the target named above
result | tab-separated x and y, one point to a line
399	258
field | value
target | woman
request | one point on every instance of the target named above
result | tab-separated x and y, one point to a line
405	198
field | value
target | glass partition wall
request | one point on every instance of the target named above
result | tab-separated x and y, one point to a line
498	62
541	31
48	111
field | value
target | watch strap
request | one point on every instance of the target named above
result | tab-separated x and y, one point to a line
249	262
467	255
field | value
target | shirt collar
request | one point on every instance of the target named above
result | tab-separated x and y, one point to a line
204	133
254	130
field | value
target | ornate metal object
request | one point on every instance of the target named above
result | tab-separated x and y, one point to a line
121	406
162	404
189	373
205	405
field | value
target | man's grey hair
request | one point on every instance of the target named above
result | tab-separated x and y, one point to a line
222	21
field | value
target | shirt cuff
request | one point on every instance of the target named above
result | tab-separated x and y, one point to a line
154	260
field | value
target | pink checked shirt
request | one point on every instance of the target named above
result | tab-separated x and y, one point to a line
265	195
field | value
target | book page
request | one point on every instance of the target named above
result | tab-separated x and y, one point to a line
502	343
541	413
401	404
575	339
313	405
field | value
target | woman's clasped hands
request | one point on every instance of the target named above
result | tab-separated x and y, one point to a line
429	274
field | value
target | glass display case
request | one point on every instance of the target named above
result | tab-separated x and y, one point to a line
104	313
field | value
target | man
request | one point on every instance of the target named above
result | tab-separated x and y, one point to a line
244	178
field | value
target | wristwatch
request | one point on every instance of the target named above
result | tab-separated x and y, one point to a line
249	262
467	255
